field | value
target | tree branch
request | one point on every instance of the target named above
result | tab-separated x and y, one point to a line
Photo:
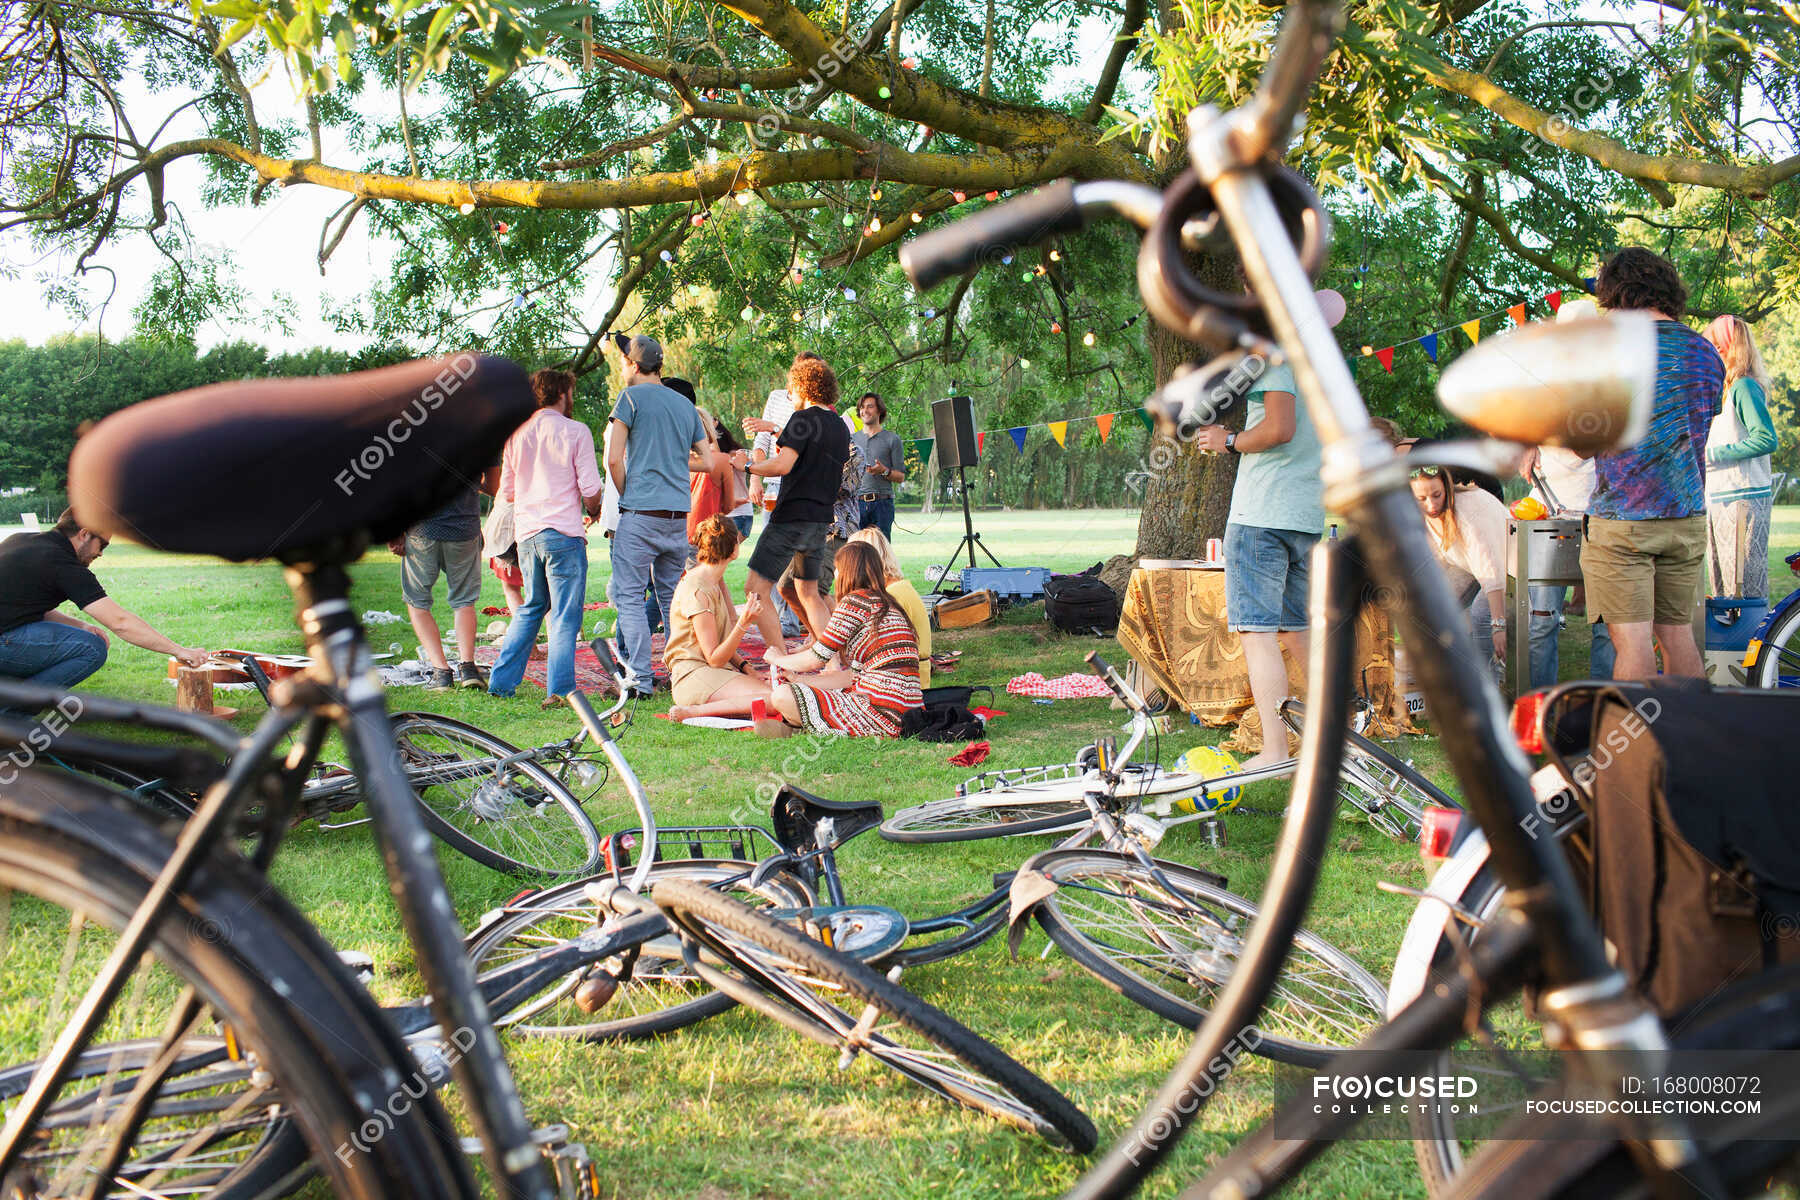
1122	48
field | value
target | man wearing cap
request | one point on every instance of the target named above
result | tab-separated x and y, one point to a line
1277	513
656	435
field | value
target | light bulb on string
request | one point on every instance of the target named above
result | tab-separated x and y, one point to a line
799	316
1088	339
698	219
502	228
992	196
1056	256
743	199
910	64
850	293
960	196
466	207
1025	364
885	92
874	224
917	217
749	314
875	193
1056	327
666	256
1006	260
849	220
930	313
1367	351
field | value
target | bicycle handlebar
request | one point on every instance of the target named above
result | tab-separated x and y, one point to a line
1124	691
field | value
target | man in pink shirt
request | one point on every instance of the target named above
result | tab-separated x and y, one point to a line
550	476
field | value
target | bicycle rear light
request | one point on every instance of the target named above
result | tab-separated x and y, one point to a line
1437	832
1526	726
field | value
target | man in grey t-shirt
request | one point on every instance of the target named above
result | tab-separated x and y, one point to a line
656	437
1277	513
884	465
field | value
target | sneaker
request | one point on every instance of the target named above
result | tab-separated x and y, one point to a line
442	680
468	675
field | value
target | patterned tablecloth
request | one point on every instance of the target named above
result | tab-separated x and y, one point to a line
1173	626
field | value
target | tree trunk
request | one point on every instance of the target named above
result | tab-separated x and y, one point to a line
1186	495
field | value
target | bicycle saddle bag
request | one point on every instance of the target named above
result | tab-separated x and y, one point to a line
1695	836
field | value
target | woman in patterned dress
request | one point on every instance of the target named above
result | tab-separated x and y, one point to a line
875	640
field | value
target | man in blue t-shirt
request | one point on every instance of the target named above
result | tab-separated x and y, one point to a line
1277	514
1644	536
658	438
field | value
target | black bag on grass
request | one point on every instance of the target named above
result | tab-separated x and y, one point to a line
941	723
1080	604
962	696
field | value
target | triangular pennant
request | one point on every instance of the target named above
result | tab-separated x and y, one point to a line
924	445
1553	299
1104	422
1429	341
1587	284
1060	431
980	440
1473	329
1385	356
1517	313
1018	437
1355	362
855	422
1143	414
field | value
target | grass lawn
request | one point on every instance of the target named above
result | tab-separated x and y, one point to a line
738	1106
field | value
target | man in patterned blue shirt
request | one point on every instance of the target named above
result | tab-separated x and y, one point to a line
1644	537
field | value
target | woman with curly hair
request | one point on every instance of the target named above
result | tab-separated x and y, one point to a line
809	459
880	653
1737	464
707	675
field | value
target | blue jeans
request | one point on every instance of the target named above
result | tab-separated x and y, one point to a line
555	569
645	550
879	514
743	524
50	653
1549	600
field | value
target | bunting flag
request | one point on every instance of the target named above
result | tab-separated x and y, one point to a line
1143	414
923	446
980	440
1517	313
1385	356
1587	285
1473	329
1018	437
1355	362
1104	423
1553	299
1060	431
1429	341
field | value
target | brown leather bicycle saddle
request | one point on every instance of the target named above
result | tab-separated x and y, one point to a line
280	468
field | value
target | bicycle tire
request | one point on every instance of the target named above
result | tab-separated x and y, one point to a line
1172	949
1759	1013
973	818
768	953
1386	782
1780	647
661	996
527	824
251	959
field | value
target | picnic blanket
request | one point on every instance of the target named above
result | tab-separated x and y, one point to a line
1073	686
588	675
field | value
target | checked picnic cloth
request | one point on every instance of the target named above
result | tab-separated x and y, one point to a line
1173	626
1074	686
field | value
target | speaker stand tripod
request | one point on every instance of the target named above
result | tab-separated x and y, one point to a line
970	538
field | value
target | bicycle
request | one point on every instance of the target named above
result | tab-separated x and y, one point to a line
146	918
1773	657
1603	368
515	811
1025	800
1185	926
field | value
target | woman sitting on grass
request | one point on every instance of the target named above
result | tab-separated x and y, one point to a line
707	675
876	640
903	593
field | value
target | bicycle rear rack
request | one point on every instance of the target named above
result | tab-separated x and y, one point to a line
743	843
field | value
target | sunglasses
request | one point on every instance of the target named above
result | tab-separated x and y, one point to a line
1427	472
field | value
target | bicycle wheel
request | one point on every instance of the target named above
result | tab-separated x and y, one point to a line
75	863
881	1019
1170	946
1761	1013
986	815
661	995
514	818
1390	793
1778	658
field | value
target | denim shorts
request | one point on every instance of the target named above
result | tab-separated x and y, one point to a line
1266	578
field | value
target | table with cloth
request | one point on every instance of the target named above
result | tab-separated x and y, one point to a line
1173	627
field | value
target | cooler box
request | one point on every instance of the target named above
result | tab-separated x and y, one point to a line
1730	623
1015	584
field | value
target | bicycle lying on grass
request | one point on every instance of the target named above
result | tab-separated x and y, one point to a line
128	926
1587	385
1164	935
1049	799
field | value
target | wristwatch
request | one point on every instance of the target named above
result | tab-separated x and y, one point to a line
1231	443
